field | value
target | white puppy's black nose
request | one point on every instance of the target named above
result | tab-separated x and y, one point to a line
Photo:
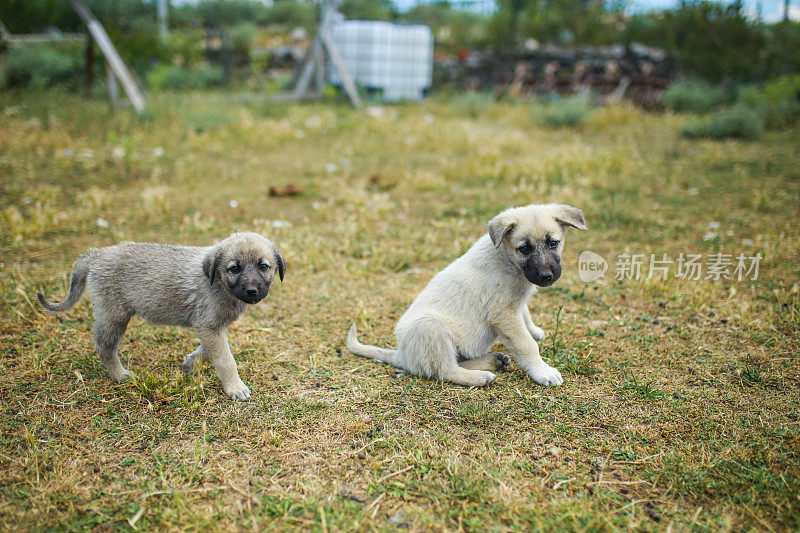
546	277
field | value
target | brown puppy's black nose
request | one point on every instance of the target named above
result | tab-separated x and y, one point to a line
251	292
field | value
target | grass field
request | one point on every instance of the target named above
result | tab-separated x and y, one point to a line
680	403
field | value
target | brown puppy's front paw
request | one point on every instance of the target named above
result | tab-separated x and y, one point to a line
501	361
121	376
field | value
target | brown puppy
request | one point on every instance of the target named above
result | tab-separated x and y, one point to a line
205	288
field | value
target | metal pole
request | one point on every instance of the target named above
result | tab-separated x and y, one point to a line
161	12
113	87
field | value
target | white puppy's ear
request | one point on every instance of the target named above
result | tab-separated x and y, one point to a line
566	215
211	263
499	227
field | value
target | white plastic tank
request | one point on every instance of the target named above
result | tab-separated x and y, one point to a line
393	59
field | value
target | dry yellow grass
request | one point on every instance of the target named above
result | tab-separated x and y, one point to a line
680	400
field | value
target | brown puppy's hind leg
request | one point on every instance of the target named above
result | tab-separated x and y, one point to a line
189	361
107	334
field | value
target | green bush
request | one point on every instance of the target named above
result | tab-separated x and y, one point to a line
39	66
778	101
737	122
241	38
565	113
694	97
782	114
178	78
471	103
718	41
291	12
782	97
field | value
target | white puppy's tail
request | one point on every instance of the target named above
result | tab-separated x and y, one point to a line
76	287
383	355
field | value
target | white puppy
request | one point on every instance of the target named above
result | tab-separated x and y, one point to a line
482	297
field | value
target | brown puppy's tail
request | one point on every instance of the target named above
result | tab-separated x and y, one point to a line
77	285
383	355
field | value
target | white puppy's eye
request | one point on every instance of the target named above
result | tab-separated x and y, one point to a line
525	249
552	244
235	269
263	267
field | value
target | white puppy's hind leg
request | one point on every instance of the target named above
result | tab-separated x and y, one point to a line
216	348
491	361
429	350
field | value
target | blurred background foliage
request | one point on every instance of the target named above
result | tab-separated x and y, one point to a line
729	60
712	41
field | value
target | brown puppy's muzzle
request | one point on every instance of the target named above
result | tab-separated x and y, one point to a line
251	292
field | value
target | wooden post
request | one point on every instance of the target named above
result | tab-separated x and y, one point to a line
307	71
89	60
311	72
319	72
338	64
4	33
117	66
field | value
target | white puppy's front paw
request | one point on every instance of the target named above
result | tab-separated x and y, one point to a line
238	391
546	375
537	333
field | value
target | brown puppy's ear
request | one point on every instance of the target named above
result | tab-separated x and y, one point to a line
499	227
281	263
211	263
566	215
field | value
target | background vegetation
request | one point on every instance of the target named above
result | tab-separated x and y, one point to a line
710	41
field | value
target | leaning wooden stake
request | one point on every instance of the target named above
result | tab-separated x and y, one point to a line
309	78
115	62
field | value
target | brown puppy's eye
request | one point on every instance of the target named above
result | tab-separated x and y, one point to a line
235	269
263	267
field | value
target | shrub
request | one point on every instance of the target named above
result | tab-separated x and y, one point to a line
38	67
292	12
782	98
778	102
694	97
471	103
176	77
567	112
737	122
781	114
241	38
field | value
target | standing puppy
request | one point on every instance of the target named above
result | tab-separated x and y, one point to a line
205	288
481	297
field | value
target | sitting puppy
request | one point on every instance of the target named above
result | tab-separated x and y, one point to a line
204	288
482	297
